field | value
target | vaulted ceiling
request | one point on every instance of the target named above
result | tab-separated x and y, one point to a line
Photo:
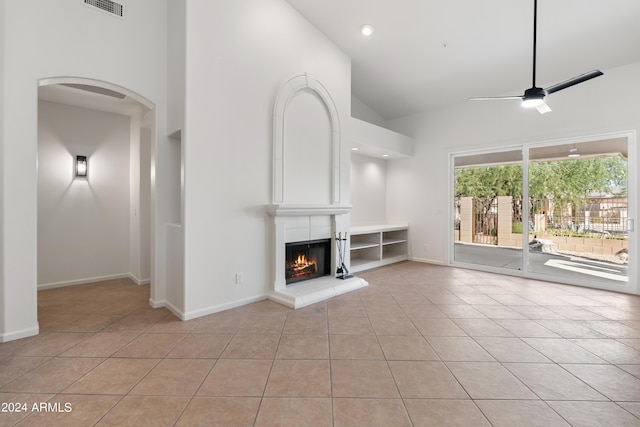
427	54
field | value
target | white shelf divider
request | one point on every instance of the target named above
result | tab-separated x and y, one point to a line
378	245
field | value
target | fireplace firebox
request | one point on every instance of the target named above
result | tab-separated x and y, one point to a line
307	260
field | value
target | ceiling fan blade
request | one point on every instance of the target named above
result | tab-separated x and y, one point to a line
492	98
574	81
543	108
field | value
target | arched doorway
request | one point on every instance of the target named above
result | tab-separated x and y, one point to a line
97	227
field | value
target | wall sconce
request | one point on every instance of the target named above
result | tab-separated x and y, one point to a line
82	166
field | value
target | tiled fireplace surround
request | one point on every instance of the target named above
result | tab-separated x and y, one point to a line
293	222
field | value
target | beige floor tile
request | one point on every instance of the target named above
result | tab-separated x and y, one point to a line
444	298
438	328
423	311
142	411
73	411
113	376
220	412
561	350
236	377
536	312
445	413
362	378
101	345
610	350
150	346
302	325
174	377
613	329
478	299
67	322
221	323
632	369
551	382
349	309
482	328
428	380
510	413
526	328
299	378
498	312
634	343
171	325
631	407
137	322
13	367
355	347
52	376
384	310
50	344
393	326
294	412
594	414
489	380
254	324
511	350
609	380
576	313
303	347
569	329
512	300
406	348
370	413
459	311
343	325
249	346
201	346
459	349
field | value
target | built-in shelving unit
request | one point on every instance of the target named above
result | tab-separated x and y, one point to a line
375	246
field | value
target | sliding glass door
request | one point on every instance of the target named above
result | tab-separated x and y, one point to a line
488	209
578	211
556	211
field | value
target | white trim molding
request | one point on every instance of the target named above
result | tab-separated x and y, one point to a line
287	90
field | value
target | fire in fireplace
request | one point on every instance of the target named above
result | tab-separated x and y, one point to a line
307	260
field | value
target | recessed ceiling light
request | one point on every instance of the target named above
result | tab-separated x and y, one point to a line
366	30
354	149
385	155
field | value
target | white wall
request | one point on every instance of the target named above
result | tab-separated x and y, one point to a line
368	190
67	38
362	111
238	55
418	186
83	224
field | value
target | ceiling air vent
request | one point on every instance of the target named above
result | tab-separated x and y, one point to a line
108	6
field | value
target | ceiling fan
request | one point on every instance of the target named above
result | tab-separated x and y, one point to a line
534	96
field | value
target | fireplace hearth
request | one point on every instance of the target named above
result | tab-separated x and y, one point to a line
307	260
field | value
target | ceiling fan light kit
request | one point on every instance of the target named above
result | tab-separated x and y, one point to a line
534	96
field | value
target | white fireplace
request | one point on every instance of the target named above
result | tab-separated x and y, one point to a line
310	183
296	223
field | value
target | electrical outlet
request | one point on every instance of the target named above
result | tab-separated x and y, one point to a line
238	278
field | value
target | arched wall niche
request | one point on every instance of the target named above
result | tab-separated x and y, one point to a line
292	87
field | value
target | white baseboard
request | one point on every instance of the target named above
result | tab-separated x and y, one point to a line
218	308
139	281
82	281
16	335
428	261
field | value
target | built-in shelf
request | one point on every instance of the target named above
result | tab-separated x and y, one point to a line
375	246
